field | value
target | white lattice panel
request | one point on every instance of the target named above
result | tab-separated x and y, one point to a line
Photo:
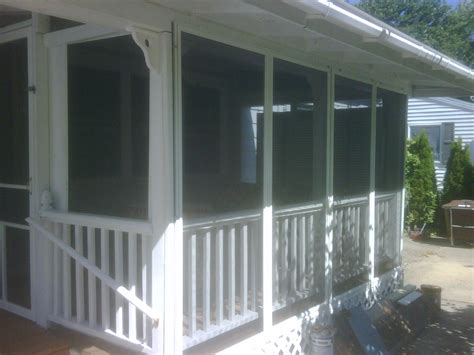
292	336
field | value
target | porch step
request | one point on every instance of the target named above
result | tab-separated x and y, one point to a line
21	336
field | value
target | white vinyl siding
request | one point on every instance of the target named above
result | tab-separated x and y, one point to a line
439	111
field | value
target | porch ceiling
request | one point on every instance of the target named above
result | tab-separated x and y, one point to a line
329	32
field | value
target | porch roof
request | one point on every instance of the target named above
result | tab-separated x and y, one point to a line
327	31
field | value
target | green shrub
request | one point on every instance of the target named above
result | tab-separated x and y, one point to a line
458	179
420	180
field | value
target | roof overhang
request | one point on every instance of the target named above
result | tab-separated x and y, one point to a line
333	32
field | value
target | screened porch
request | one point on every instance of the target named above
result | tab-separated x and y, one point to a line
274	160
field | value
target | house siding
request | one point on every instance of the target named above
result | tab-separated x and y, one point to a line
436	111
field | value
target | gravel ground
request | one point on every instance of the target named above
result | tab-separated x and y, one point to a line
436	262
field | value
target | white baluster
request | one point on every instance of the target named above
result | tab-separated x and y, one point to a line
105	293
311	250
191	272
253	263
57	271
293	258
284	258
301	253
132	283
78	234
206	278
67	274
276	261
146	282
118	261
231	273
243	269
90	277
219	276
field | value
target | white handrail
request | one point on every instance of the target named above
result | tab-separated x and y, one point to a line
385	196
123	224
222	219
298	209
358	200
124	292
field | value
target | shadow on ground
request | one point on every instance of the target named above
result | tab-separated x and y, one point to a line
455	328
445	242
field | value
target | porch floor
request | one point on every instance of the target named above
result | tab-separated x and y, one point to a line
22	336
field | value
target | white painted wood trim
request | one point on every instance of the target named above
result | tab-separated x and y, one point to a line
15	35
174	81
81	33
329	210
84	263
132	285
14	225
371	208
164	292
16	26
122	224
267	235
13	186
91	284
58	104
104	290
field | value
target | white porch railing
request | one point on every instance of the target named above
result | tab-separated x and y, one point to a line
221	269
101	276
350	239
387	230
298	254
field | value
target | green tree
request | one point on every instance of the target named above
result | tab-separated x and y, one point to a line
458	178
446	29
420	180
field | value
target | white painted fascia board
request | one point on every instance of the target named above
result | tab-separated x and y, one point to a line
373	30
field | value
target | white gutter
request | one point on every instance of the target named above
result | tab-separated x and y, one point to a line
335	13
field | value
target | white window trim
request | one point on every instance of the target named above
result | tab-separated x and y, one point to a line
410	125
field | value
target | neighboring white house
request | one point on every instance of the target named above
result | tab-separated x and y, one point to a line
186	175
444	119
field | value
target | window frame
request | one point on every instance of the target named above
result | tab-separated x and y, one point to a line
435	125
57	44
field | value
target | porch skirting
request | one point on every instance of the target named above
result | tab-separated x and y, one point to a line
292	336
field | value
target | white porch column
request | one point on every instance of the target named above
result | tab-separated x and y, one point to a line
402	197
371	231
58	128
164	295
328	230
40	250
267	240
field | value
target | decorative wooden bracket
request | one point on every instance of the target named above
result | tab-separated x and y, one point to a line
147	40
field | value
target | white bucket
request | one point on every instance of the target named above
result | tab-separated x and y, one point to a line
322	341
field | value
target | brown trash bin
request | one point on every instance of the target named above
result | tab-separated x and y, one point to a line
433	295
459	215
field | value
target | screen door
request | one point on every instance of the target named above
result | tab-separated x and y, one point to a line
15	291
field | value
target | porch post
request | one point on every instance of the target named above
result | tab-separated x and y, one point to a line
371	231
40	250
328	221
267	244
157	47
402	197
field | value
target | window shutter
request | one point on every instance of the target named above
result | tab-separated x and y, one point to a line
447	137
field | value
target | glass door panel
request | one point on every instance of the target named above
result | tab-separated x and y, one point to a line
14	175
